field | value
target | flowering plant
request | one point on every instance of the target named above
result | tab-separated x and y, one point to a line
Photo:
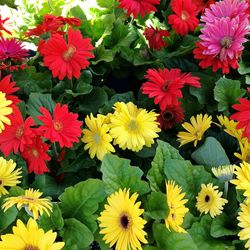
124	124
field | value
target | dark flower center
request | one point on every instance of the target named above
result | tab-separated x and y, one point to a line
68	54
29	247
58	126
1	182
168	115
166	85
19	132
124	220
207	198
226	42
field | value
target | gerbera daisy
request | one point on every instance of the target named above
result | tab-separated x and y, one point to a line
121	222
9	176
67	59
170	116
133	127
31	201
30	237
12	49
36	155
5	110
243	218
2	21
155	37
184	18
224	173
16	135
9	88
137	7
165	85
177	210
63	127
225	8
209	200
242	180
195	129
242	116
96	137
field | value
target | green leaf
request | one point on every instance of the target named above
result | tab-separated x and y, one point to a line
52	222
200	232
78	12
82	201
37	100
187	176
226	93
107	4
244	67
76	233
156	206
156	173
211	154
167	240
118	173
92	102
219	227
102	54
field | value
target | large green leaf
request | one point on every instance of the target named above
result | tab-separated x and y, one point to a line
226	93
167	240
76	233
82	201
211	154
200	232
118	173
106	4
189	177
156	173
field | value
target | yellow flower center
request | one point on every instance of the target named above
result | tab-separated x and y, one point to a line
69	53
96	138
19	132
184	15
34	152
58	126
132	126
125	221
198	134
226	42
29	247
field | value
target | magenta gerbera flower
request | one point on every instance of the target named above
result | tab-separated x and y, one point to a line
12	49
226	8
224	37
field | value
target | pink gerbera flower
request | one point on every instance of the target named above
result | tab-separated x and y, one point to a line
137	7
12	49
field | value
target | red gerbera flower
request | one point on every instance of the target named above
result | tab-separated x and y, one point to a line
137	7
72	21
155	37
63	127
17	135
215	61
201	5
2	21
67	59
170	116
165	85
184	20
9	88
36	155
243	116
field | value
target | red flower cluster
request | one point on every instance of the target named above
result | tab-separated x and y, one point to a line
184	18
53	24
165	87
155	37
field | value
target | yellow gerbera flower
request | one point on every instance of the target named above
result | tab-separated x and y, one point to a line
30	237
177	210
230	127
97	137
242	180
121	221
8	175
195	130
32	201
133	127
244	154
209	200
224	173
244	222
5	110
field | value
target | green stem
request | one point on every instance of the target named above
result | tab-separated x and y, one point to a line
225	189
55	149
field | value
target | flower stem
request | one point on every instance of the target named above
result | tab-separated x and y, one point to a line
225	189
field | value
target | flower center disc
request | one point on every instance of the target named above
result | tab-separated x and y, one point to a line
58	126
19	132
34	152
207	198
96	138
68	54
168	116
132	126
124	220
184	15
226	42
166	85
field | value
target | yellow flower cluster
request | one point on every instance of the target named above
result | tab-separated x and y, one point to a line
129	127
